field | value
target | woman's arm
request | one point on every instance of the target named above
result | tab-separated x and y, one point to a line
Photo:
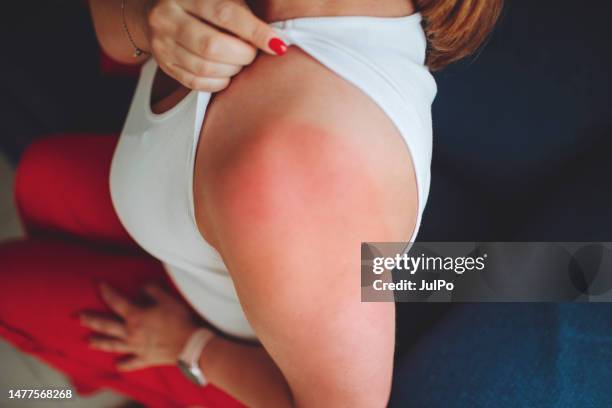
289	220
246	372
199	43
288	193
155	334
108	23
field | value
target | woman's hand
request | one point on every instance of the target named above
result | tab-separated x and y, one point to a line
155	334
203	43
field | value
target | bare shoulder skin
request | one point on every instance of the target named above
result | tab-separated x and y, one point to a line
293	100
295	168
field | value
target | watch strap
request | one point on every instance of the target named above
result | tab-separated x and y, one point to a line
190	355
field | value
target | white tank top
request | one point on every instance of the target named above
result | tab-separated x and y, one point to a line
152	168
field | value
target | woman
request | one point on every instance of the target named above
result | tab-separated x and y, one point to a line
255	201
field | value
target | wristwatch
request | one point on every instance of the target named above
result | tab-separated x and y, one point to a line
188	360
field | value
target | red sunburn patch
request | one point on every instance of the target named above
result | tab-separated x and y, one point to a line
289	168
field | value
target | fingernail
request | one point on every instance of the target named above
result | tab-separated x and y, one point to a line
278	46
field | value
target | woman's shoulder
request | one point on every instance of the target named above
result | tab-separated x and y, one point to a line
289	127
290	98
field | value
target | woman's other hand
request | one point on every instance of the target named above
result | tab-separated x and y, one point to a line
154	335
203	43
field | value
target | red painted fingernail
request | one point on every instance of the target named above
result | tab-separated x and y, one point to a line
278	46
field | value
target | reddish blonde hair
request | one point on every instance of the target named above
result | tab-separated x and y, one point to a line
456	28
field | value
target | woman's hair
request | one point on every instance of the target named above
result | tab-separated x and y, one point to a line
456	28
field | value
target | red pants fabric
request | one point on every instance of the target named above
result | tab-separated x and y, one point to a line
75	240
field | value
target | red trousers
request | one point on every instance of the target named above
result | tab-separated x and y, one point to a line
74	239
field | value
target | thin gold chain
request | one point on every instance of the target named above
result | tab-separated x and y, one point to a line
137	50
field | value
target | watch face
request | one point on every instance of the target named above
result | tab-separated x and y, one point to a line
186	369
